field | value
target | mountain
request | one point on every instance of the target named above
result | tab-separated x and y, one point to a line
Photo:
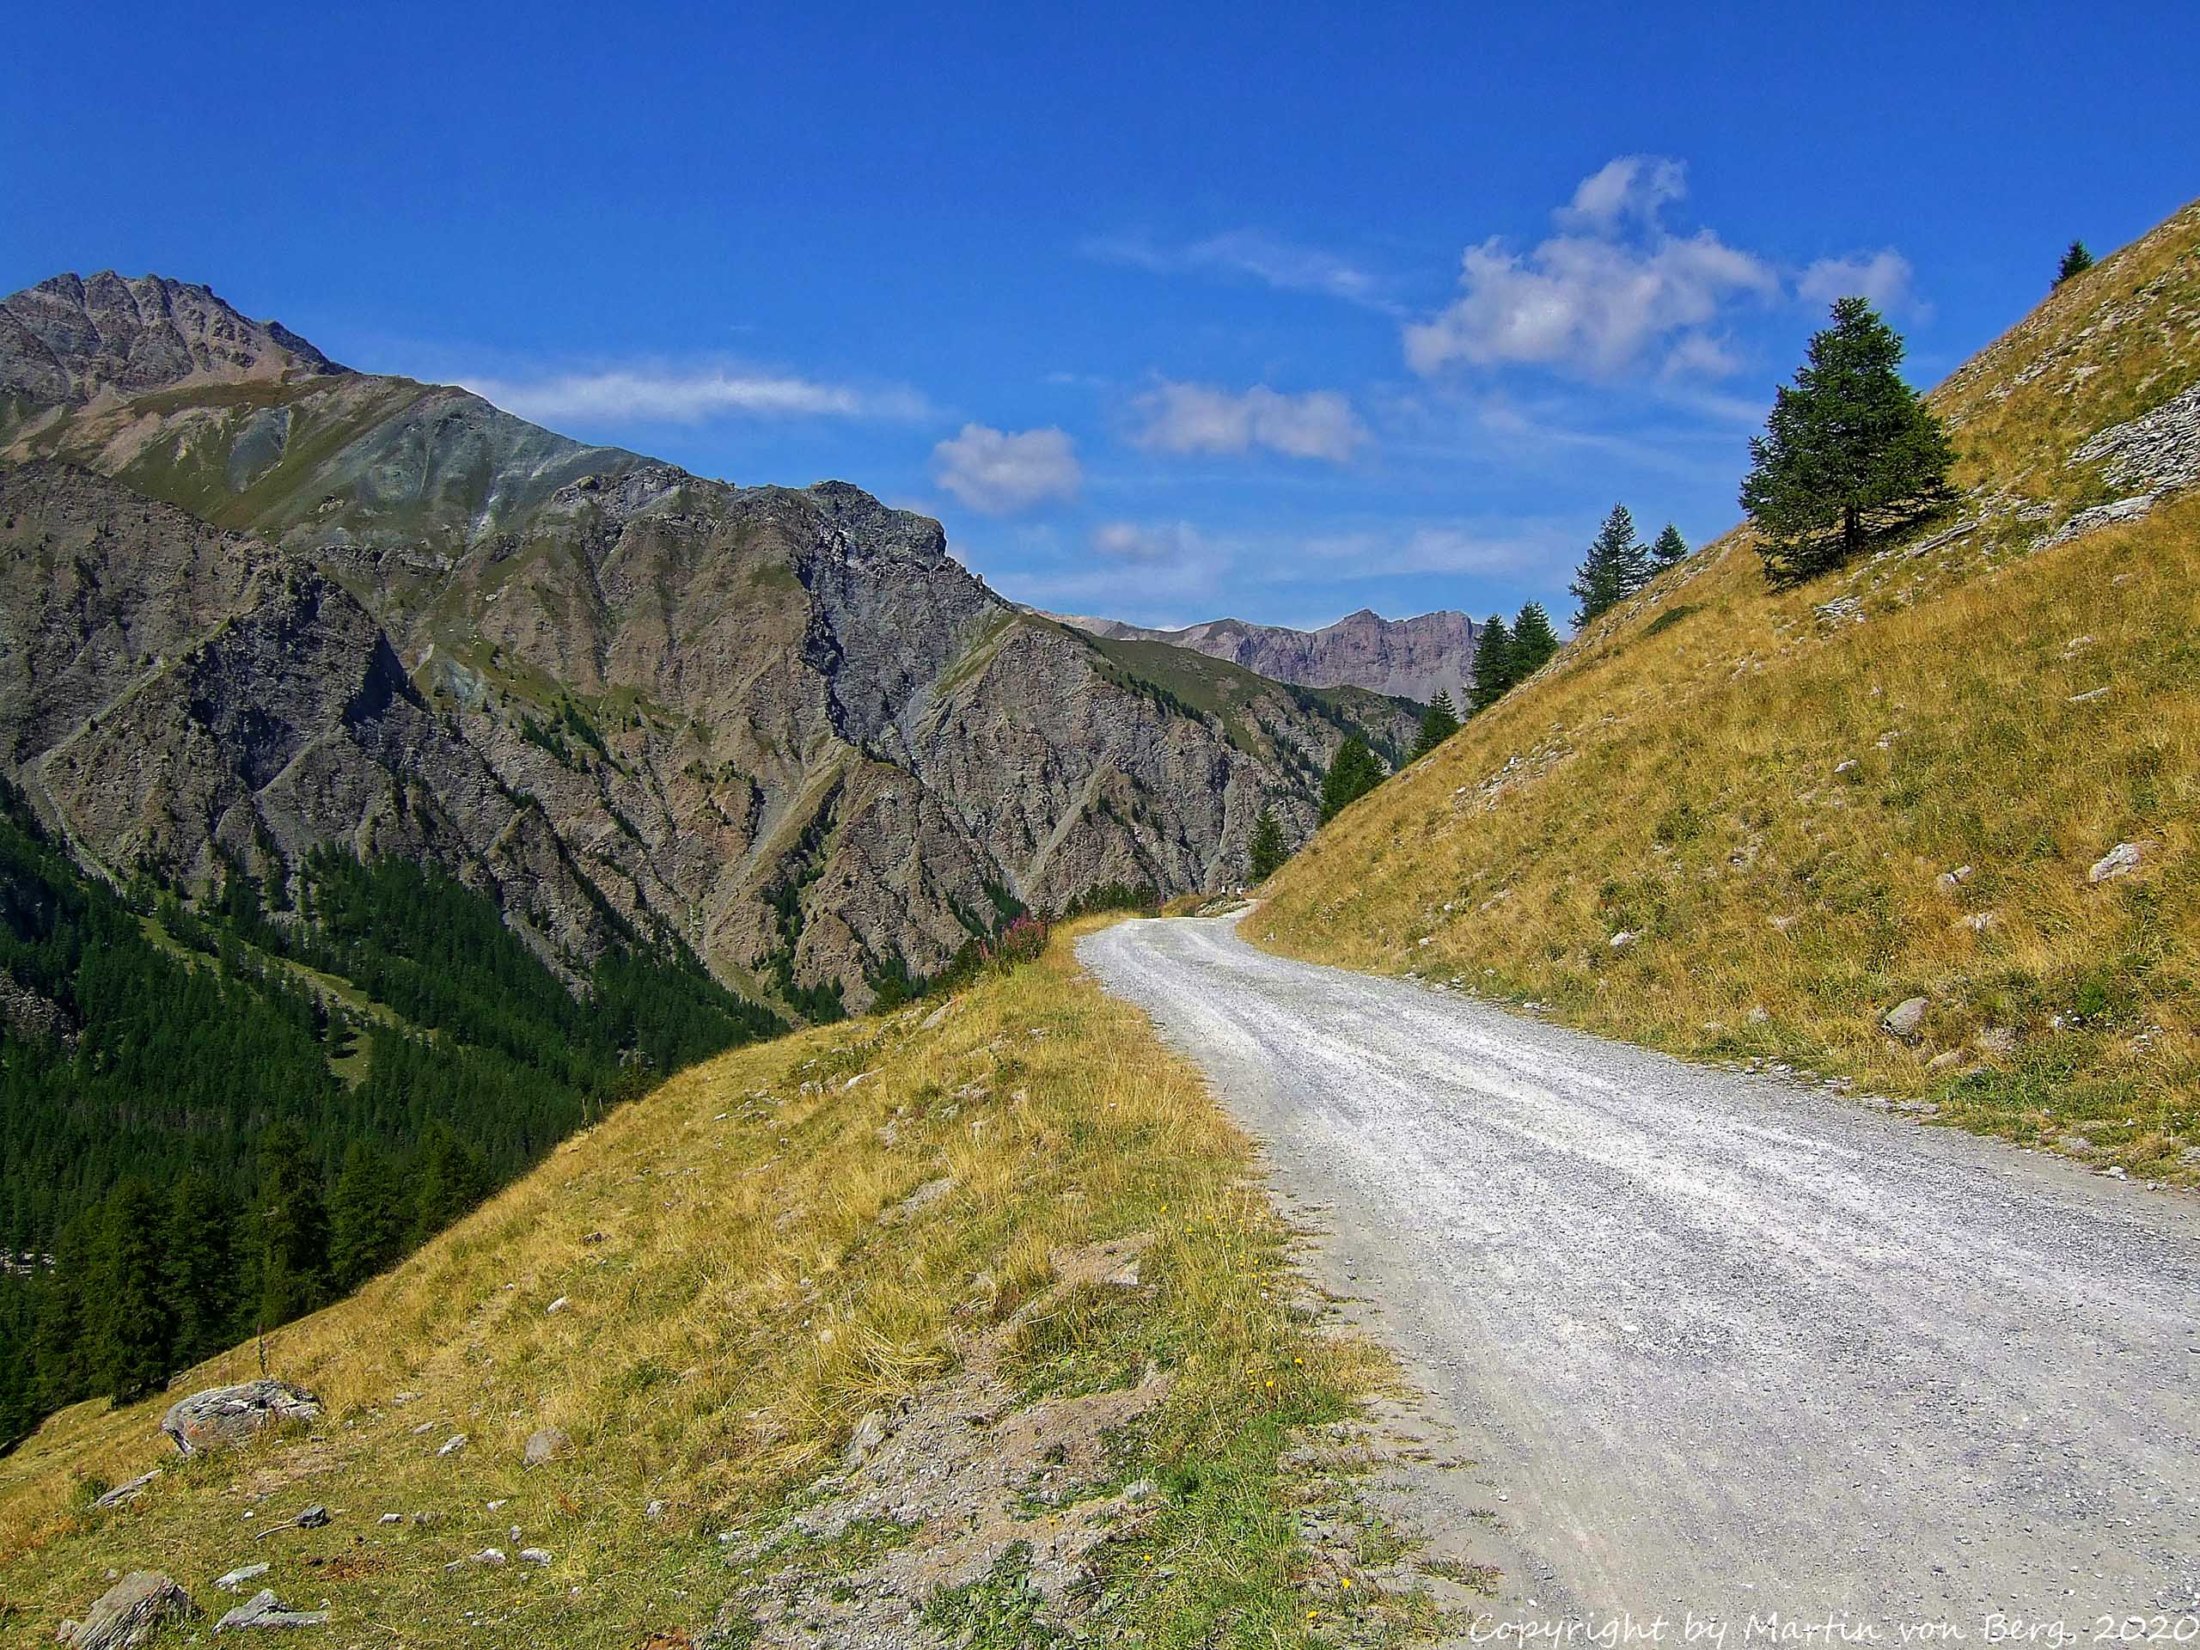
1414	658
1925	822
256	603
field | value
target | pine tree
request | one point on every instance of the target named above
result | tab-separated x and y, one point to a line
1438	723
61	1340
1533	643
1265	852
1849	452
366	1216
451	1180
1617	565
1352	774
1669	548
293	1227
202	1272
1492	665
2076	261
126	1306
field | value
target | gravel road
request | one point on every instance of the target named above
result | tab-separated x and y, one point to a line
1724	1344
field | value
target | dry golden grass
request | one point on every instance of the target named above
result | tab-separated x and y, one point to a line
735	1303
1767	796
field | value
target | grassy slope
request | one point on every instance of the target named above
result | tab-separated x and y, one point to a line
736	1304
1680	773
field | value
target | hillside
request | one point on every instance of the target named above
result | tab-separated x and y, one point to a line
1747	824
1415	658
962	1326
781	725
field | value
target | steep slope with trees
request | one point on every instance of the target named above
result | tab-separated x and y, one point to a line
1924	821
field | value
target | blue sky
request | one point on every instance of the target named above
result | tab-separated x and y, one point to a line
1167	311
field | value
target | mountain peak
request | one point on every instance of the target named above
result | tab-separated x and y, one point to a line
67	339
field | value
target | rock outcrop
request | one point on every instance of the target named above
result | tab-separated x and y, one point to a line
1414	658
251	603
225	1417
67	339
130	1613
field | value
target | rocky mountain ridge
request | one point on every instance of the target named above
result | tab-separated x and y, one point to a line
68	339
780	723
1415	658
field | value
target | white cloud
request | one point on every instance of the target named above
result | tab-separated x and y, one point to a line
1172	543
1611	289
998	473
1632	186
690	395
1285	265
1200	418
1883	277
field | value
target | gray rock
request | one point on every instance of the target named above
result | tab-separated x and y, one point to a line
239	1576
452	1445
313	1518
263	1609
1904	1019
130	1612
1949	881
2119	861
546	1445
2099	516
123	1494
534	1555
2158	451
224	1417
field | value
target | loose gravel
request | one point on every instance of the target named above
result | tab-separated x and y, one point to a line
1719	1344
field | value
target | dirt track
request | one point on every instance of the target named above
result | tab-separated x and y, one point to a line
1719	1343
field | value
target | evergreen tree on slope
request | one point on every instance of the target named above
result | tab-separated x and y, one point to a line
1533	643
293	1227
1669	549
1351	776
1850	451
1617	565
1492	664
366	1210
1265	851
1438	723
202	1277
127	1307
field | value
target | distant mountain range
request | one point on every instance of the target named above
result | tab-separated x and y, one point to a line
252	603
1415	658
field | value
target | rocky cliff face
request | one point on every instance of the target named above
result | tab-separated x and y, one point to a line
67	339
1414	658
262	604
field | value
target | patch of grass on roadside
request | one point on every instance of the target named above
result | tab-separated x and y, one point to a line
734	1290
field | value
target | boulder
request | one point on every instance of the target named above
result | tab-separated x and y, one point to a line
264	1609
546	1445
1904	1019
224	1417
130	1612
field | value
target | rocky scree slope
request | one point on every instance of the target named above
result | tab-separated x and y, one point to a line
783	724
1414	658
1925	823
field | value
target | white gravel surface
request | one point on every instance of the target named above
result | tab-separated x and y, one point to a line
1725	1345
